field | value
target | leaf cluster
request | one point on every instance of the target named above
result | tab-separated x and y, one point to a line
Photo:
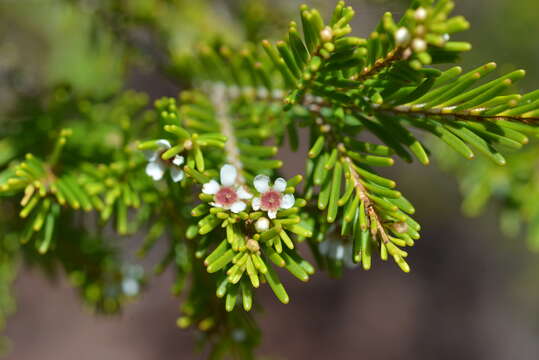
199	173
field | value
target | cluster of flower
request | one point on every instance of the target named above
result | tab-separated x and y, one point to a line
415	42
157	166
228	194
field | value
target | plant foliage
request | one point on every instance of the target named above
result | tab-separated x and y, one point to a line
200	173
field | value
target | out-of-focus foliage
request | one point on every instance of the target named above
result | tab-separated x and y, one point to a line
85	163
513	189
49	42
93	45
8	269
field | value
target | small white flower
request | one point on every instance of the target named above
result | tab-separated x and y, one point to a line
157	166
271	199
227	195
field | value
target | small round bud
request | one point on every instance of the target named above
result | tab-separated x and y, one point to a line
326	34
407	53
419	45
252	245
420	14
400	227
188	144
446	37
402	36
183	322
262	224
420	30
325	128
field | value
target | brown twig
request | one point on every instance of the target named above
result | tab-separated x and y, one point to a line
461	116
379	65
364	197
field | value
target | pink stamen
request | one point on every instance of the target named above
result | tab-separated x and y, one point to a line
271	200
226	196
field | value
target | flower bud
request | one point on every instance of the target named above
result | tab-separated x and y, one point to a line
419	45
326	34
420	14
400	227
253	245
402	36
262	224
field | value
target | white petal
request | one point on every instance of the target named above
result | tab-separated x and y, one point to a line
243	194
238	206
287	201
163	144
228	175
178	160
256	203
155	170
151	155
272	214
261	183
176	174
215	204
211	188
279	184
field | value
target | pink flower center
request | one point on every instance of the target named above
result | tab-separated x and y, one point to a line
226	196
271	200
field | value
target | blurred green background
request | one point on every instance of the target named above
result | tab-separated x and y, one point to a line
472	294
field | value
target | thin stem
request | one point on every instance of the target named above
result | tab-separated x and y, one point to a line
220	101
314	105
364	197
403	109
379	65
316	102
58	147
360	188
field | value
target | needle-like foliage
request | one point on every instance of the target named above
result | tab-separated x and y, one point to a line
199	173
